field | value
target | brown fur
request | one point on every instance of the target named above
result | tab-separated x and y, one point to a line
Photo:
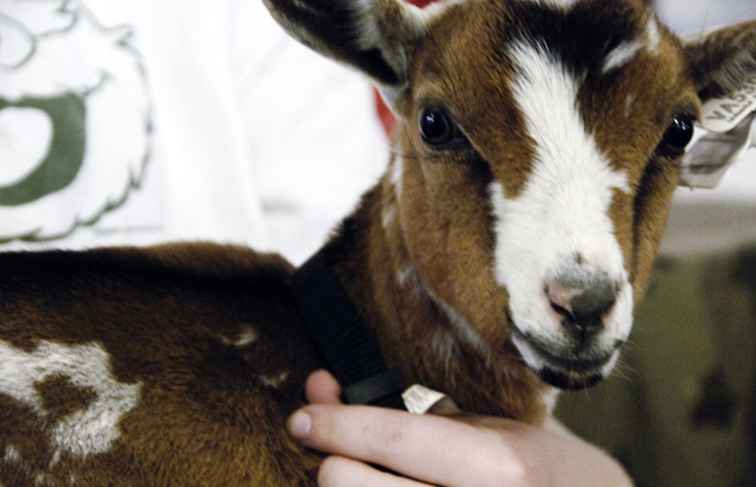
164	317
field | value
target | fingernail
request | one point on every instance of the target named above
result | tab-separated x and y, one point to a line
300	425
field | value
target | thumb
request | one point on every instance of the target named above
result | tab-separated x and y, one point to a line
322	388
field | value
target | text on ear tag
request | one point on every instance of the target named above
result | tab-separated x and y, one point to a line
711	153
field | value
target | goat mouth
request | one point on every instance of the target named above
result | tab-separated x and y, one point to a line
568	381
570	372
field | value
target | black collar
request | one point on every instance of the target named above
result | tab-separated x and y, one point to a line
349	347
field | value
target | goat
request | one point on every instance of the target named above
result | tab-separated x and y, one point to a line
498	259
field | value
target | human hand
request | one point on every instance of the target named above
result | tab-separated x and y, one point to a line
433	450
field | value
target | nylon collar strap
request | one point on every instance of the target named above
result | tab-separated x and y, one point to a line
349	347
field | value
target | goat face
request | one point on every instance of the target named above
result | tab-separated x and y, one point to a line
536	157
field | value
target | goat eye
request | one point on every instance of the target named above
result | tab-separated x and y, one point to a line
680	133
437	128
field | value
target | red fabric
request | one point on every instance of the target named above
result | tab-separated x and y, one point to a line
384	114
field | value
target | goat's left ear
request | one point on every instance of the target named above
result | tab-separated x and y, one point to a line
723	60
377	37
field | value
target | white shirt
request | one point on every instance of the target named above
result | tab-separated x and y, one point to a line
140	122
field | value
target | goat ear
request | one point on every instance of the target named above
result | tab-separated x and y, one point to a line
722	61
723	64
375	36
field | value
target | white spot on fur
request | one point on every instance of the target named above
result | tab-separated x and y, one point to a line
54	460
621	55
550	397
626	51
617	323
438	8
405	274
444	347
412	20
530	356
12	455
367	24
388	216
629	101
460	326
247	337
653	36
607	369
397	170
40	479
276	380
83	433
563	208
562	4
72	479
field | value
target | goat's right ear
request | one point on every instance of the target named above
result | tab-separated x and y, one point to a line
723	60
375	36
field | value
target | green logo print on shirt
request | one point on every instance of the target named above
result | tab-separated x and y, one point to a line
75	119
65	153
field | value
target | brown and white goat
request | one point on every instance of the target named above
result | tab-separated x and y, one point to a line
498	258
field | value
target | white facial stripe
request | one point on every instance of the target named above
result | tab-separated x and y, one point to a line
621	55
563	209
85	432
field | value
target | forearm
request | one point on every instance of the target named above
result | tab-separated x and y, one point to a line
606	471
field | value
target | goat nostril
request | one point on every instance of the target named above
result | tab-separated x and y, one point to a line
560	310
560	299
582	305
593	304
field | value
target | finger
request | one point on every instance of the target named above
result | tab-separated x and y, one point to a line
321	388
429	448
343	472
